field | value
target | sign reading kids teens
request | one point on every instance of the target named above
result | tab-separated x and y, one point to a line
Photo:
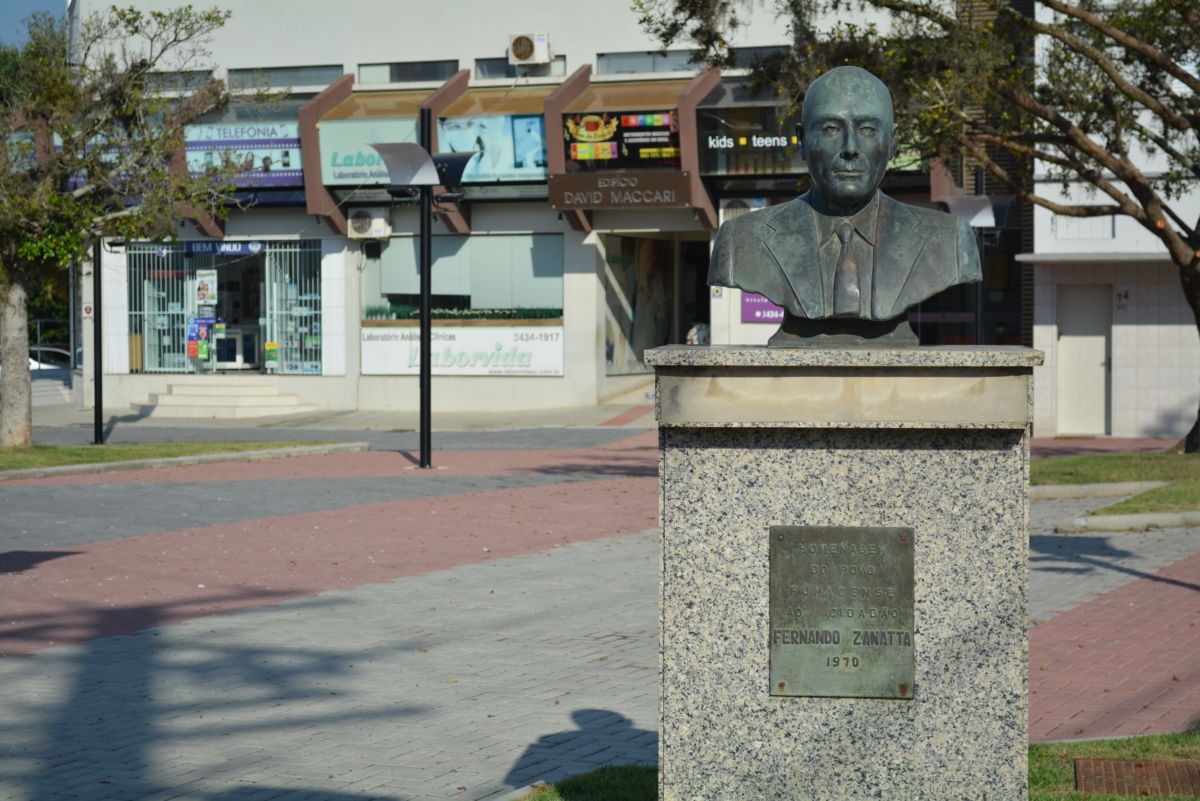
267	152
507	147
622	140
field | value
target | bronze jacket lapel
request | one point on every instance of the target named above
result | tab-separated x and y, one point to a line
900	238
795	247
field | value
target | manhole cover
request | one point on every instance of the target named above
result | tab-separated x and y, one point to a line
1137	777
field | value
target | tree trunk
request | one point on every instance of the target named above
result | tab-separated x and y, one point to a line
1188	278
16	399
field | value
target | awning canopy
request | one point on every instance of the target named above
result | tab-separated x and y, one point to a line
378	105
478	102
636	96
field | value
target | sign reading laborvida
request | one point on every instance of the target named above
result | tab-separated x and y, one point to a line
465	350
621	190
842	611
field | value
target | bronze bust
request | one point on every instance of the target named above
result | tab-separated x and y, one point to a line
844	260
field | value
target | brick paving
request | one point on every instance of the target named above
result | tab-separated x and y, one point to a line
335	628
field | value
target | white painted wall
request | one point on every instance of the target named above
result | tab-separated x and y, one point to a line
285	33
1155	382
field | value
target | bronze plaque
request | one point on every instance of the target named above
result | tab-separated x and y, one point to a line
842	611
620	190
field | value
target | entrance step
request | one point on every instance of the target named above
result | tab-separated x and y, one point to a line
222	400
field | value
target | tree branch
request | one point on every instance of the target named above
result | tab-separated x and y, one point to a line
1126	40
1175	120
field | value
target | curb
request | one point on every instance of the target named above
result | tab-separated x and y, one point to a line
178	461
1053	492
1143	522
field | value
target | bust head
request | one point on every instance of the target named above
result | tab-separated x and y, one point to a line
848	137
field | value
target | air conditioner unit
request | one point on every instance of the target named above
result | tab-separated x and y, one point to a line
528	48
369	223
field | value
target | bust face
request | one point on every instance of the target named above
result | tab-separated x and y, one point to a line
849	137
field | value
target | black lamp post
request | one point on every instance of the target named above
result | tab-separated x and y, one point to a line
410	167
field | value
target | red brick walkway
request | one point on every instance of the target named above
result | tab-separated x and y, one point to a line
1125	663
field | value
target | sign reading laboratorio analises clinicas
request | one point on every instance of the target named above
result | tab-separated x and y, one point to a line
467	350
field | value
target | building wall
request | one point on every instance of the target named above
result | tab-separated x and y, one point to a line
282	33
1155	348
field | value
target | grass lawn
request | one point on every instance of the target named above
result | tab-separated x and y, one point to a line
1051	772
58	455
1183	470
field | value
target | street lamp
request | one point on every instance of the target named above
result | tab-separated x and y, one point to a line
411	167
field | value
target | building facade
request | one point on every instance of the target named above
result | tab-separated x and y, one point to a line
602	170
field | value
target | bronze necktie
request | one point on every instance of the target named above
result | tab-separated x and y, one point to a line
845	280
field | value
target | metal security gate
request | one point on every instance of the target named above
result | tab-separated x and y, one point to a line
284	331
162	297
293	307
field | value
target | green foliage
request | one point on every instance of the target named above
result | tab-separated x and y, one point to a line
60	455
1179	496
1112	83
87	146
1112	468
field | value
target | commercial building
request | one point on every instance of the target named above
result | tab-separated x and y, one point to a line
581	239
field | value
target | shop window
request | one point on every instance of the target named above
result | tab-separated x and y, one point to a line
624	63
748	57
500	68
482	277
284	77
204	307
407	71
178	81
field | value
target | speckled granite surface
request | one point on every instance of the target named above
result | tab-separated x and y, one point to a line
963	736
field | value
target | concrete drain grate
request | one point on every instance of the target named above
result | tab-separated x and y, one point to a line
1137	777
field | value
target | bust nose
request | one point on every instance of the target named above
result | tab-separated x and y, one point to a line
849	145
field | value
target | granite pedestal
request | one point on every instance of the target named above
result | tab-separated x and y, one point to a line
931	440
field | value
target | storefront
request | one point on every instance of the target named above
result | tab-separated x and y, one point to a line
215	306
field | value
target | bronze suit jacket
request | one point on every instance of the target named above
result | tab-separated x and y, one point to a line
775	252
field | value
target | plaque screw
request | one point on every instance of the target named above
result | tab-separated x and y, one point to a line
783	685
903	539
904	689
780	537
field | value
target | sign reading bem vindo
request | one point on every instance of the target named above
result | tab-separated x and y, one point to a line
841	600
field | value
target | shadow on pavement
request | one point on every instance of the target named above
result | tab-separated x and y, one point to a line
604	737
20	561
146	716
260	792
1085	554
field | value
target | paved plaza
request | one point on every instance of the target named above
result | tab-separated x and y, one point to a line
336	627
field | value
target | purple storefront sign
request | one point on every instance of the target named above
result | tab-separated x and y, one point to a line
757	309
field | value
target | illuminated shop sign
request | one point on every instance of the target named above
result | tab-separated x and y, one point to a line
347	158
621	140
508	147
748	140
267	152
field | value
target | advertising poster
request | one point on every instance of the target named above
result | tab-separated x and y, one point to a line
347	158
206	287
466	350
757	309
268	153
271	354
509	147
622	140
